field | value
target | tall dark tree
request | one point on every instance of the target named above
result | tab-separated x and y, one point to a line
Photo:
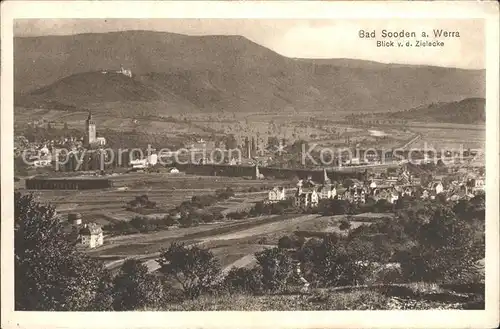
195	268
135	289
447	248
50	274
231	142
272	143
277	268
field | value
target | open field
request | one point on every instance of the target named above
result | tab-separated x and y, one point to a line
167	190
449	137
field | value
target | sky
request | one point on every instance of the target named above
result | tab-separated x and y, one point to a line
302	38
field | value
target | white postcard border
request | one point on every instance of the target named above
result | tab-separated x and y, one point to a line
189	9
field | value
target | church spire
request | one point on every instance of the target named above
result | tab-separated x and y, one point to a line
326	179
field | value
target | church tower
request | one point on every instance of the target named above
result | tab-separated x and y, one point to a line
256	174
326	179
90	131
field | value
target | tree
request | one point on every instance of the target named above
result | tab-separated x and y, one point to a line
195	268
334	207
335	263
285	242
50	274
446	249
134	288
344	225
272	142
231	142
277	268
241	280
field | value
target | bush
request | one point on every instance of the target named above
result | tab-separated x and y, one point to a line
334	263
237	215
243	280
195	268
134	288
277	268
344	225
202	201
224	194
333	207
452	248
189	221
286	242
277	208
170	221
382	206
140	224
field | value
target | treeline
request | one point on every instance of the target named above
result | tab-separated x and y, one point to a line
431	242
261	208
467	111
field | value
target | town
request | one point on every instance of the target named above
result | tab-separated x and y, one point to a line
82	167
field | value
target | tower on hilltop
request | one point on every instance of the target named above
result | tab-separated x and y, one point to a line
90	130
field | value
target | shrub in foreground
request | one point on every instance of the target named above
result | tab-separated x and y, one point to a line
195	268
277	268
243	280
134	288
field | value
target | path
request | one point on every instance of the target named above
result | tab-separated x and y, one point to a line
413	140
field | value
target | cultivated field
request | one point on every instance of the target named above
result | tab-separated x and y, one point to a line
451	137
167	190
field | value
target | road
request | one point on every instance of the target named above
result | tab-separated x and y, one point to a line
413	140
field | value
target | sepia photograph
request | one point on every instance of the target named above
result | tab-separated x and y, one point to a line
174	164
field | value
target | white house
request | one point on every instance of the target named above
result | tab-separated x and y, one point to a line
125	72
152	159
276	194
174	171
91	235
101	141
42	163
479	184
307	199
138	163
394	197
438	187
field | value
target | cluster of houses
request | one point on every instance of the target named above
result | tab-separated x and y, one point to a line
43	154
308	193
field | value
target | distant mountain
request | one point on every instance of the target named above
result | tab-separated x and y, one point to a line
98	87
467	111
231	73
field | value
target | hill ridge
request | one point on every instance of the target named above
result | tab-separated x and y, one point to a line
228	73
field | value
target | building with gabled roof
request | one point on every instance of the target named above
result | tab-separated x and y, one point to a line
277	194
91	235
